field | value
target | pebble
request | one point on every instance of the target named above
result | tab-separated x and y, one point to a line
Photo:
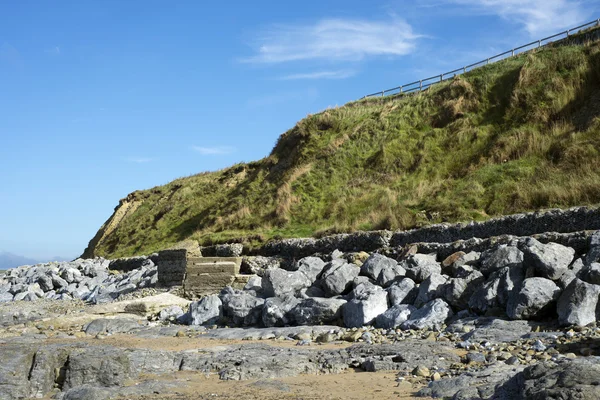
421	371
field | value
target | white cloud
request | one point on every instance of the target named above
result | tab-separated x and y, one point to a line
341	74
138	160
539	17
334	39
217	150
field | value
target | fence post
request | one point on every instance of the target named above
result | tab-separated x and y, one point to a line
382	92
401	89
420	85
568	32
488	61
441	77
539	43
512	53
464	70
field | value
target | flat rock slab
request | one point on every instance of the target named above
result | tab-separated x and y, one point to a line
145	306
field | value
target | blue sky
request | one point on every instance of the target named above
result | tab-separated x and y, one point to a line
100	98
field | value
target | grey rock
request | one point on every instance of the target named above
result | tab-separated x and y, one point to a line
117	325
45	282
563	379
551	260
258	265
391	274
6	297
206	311
313	291
577	303
314	311
373	265
536	298
502	257
431	316
71	275
593	254
242	307
403	292
394	316
279	282
277	311
420	266
458	291
14	371
368	301
311	267
338	276
170	313
430	288
591	273
254	283
87	392
58	282
493	296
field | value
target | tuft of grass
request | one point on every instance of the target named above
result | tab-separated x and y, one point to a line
517	135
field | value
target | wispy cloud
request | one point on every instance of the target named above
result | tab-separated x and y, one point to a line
341	74
334	39
217	150
138	160
537	16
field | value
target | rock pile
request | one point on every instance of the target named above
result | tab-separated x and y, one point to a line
87	280
522	279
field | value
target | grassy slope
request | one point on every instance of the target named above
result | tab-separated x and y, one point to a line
517	135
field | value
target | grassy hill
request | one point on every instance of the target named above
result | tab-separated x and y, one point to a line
517	135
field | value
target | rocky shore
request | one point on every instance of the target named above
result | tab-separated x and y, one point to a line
502	317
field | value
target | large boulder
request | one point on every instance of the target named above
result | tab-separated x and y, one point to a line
279	282
206	311
551	260
458	291
431	316
368	301
491	298
277	311
373	266
389	275
311	267
394	316
403	292
535	299
420	266
338	276
430	288
577	303
499	258
241	307
314	311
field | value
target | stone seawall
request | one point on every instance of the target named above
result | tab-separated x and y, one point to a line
526	224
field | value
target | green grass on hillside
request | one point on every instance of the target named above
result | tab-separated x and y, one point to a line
517	135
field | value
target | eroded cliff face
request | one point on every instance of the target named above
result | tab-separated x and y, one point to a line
126	207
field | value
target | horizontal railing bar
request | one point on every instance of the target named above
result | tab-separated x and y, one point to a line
423	83
553	36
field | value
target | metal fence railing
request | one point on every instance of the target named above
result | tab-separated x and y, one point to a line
423	84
